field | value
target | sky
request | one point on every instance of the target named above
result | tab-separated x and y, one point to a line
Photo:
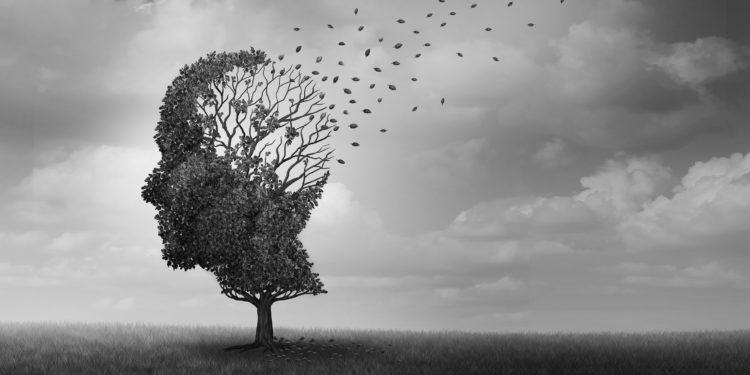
595	178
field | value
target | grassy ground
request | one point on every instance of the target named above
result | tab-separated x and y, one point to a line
144	349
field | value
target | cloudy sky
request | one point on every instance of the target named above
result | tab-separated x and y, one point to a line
596	178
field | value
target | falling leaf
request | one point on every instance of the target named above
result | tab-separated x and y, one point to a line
392	87
443	24
335	79
325	78
353	125
355	144
377	69
530	24
352	101
452	13
473	6
442	101
342	43
356	10
330	26
341	161
495	58
372	86
341	63
367	52
336	128
416	31
398	45
413	79
319	59
383	130
361	28
347	91
414	109
355	79
297	66
332	106
345	112
315	72
299	48
510	3
400	20
427	44
429	15
488	29
296	29
281	57
366	110
396	63
460	54
417	55
380	39
380	100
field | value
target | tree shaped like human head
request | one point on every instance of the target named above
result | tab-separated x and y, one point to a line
244	158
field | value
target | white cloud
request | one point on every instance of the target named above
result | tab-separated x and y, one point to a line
154	55
95	187
702	61
583	221
621	188
711	206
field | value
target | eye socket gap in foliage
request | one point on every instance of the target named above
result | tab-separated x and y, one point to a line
244	161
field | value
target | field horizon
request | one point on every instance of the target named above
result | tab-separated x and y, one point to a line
144	348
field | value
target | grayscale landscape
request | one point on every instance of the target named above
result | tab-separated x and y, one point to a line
391	187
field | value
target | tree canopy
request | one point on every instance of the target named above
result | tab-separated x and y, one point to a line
244	161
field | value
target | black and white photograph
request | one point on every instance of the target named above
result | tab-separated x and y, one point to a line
375	187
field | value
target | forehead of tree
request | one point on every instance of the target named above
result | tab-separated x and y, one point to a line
176	134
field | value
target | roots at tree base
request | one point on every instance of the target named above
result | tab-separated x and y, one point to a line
273	347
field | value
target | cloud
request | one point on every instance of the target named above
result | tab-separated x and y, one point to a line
455	160
622	187
553	154
585	221
710	206
20	241
703	60
351	249
95	186
67	242
26	276
651	275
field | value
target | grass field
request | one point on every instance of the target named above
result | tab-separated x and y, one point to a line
27	348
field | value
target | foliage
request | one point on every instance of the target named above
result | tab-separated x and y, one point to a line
243	164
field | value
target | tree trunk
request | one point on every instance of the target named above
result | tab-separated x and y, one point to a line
264	328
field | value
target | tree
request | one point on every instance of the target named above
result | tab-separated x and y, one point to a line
243	162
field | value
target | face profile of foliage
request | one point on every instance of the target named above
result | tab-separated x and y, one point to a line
244	161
